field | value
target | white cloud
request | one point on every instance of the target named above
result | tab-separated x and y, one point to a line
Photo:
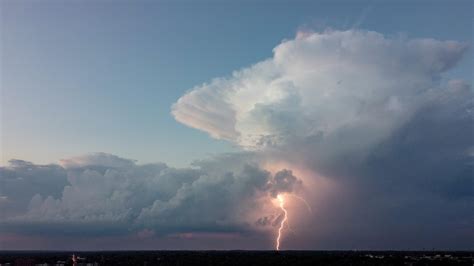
321	84
96	159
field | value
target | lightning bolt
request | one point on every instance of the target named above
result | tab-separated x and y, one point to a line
281	202
304	201
284	221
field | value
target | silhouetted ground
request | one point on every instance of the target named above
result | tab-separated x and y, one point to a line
238	258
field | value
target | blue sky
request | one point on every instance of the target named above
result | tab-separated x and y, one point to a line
83	76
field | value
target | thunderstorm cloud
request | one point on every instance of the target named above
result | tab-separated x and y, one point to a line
366	127
373	114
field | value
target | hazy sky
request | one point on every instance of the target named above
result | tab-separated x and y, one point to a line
175	124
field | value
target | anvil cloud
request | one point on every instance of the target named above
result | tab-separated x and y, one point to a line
322	85
371	115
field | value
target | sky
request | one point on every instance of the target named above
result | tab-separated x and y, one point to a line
176	124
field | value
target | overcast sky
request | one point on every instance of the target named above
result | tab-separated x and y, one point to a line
175	125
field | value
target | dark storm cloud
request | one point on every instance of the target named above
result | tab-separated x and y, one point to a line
414	188
433	149
284	181
20	181
102	194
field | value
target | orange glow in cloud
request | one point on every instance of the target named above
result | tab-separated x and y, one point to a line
301	205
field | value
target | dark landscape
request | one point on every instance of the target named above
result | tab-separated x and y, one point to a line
237	258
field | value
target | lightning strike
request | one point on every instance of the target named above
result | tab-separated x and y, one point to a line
304	201
284	222
281	202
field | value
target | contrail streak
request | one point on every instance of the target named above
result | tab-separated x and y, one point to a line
281	201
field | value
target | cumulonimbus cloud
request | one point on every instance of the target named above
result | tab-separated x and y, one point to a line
321	84
371	114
